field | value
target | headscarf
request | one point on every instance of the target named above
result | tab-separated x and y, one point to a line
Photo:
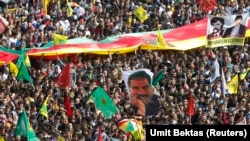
53	73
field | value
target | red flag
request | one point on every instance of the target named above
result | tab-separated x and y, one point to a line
207	5
67	106
63	79
100	134
191	105
47	23
224	118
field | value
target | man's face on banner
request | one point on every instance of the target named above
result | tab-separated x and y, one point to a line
141	89
217	26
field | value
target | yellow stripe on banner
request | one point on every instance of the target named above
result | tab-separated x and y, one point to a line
238	41
193	43
182	45
112	51
153	47
2	63
189	43
248	33
73	50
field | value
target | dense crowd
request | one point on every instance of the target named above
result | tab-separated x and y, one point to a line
184	72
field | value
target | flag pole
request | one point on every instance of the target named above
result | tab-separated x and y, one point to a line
222	71
37	117
245	120
40	111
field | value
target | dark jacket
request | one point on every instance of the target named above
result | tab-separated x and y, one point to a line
242	31
152	108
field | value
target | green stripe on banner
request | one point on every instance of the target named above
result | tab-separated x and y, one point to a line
107	40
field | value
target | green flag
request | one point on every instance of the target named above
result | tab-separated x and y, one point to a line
23	73
233	84
21	128
21	58
104	103
24	128
158	78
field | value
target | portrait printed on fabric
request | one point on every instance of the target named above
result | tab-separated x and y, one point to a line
226	30
142	94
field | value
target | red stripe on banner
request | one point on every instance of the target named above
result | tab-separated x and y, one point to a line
190	31
6	57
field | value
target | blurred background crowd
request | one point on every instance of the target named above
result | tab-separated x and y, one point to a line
184	72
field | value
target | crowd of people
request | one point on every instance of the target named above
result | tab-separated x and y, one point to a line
184	72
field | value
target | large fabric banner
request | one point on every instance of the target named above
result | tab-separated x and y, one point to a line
226	30
142	94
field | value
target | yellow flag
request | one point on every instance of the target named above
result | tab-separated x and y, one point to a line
69	8
45	5
60	138
57	38
173	9
129	21
2	139
12	9
141	13
44	110
27	61
244	74
13	69
233	85
161	43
